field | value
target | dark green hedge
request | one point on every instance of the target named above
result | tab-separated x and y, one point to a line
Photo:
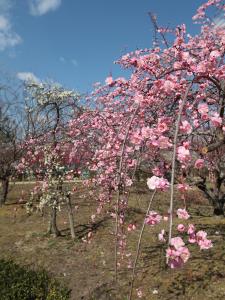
19	283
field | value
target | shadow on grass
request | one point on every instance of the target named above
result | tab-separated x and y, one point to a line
105	291
82	230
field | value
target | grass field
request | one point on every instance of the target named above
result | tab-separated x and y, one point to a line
88	268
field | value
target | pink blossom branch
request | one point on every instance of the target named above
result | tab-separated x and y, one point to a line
174	160
118	185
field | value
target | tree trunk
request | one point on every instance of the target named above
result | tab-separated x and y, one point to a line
70	215
214	196
53	229
4	192
218	208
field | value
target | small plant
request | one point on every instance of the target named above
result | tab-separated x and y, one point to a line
18	282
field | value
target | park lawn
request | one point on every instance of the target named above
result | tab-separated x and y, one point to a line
88	268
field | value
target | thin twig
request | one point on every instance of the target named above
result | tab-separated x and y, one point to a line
139	246
118	185
174	161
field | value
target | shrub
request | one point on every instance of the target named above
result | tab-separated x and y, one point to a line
20	283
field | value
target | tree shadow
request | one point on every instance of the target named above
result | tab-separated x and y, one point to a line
105	291
82	230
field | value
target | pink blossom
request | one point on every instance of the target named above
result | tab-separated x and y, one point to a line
202	241
196	123
201	235
161	236
163	142
168	86
204	117
181	228
203	108
192	238
182	214
157	183
205	244
214	54
201	67
20	167
109	80
186	127
157	171
216	120
182	187
177	257
146	132
183	154
177	242
184	253
69	177
139	98
191	229
162	127
199	163
131	227
153	218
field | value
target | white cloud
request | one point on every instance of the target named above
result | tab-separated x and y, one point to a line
74	62
8	37
62	59
27	76
41	7
4	23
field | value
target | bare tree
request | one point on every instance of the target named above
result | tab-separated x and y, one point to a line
11	133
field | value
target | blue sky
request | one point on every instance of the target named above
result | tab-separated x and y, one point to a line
75	42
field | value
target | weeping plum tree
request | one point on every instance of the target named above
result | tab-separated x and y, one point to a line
143	111
168	117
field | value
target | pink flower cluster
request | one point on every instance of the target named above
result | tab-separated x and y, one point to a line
159	183
199	163
186	127
202	241
153	218
200	238
177	254
182	214
183	187
183	154
131	227
216	120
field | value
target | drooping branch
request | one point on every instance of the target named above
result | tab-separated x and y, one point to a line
119	184
174	159
139	245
